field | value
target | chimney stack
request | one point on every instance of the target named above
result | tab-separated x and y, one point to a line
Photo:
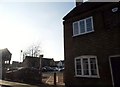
79	2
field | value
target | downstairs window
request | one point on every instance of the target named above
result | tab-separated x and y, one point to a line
86	66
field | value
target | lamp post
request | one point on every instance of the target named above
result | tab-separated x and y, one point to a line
21	56
40	67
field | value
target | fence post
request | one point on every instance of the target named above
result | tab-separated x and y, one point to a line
54	78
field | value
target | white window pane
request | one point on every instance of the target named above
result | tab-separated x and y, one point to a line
85	63
92	60
75	28
82	26
93	66
78	67
89	24
85	67
79	72
86	72
78	63
78	60
94	72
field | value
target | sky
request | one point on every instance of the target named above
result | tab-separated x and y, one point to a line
25	23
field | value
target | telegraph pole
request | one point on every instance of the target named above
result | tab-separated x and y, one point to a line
40	67
21	56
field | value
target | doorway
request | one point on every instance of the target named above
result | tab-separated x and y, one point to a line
115	70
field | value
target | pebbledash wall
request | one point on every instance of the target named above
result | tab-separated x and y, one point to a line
100	43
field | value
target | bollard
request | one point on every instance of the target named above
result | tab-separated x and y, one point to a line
54	78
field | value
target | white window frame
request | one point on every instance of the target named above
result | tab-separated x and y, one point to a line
87	57
74	29
85	26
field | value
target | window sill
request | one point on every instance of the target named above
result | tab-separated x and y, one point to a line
83	33
87	76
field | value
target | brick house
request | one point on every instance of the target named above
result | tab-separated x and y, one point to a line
35	62
92	45
16	64
5	58
60	63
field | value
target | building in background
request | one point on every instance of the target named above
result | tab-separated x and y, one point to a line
35	62
92	45
60	64
5	58
16	65
47	62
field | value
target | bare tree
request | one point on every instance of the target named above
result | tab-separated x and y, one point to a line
34	51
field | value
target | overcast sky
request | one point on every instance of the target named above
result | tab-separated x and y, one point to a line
25	23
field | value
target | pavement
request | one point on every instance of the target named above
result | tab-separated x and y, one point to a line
4	83
14	84
48	81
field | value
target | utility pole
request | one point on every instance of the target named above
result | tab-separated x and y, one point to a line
40	66
32	52
21	56
41	56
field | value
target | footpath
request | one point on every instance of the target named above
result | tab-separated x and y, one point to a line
14	84
4	83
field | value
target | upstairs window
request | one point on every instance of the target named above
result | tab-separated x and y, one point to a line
76	28
83	26
86	66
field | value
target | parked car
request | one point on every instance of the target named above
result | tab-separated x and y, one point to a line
62	69
47	69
